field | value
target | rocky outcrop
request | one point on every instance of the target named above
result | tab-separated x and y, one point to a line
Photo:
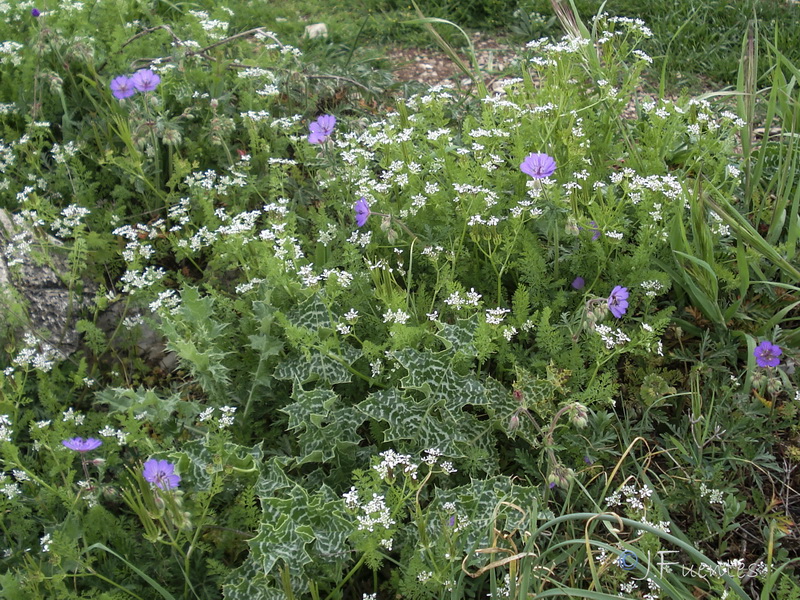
31	276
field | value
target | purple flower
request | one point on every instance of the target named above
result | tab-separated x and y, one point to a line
362	211
321	129
452	520
618	301
122	87
767	354
161	473
145	80
578	283
35	12
596	233
82	445
538	166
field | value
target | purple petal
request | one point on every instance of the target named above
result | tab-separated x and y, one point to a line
362	211
145	80
82	445
538	166
122	87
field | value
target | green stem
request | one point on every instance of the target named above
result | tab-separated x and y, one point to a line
94	573
347	577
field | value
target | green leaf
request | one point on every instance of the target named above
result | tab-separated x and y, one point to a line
152	582
422	426
249	582
296	526
326	427
318	366
197	464
141	401
431	373
460	336
487	503
312	314
313	405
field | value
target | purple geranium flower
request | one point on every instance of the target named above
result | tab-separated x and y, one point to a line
122	87
82	445
538	166
618	301
362	211
145	80
161	473
767	354
578	283
321	129
35	12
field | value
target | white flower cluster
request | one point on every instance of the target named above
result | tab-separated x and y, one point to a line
141	279
214	28
397	316
10	489
391	460
634	25
611	337
226	420
39	355
10	53
70	415
167	300
5	428
495	316
733	172
62	153
72	217
308	278
661	526
432	456
502	591
375	513
457	301
210	181
108	431
714	496
19	247
652	287
633	497
717	225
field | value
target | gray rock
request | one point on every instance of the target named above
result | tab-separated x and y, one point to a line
30	271
30	268
316	30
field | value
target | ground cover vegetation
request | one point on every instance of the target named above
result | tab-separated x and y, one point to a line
508	344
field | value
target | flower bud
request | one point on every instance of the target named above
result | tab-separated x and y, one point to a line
578	414
571	228
758	379
774	386
513	423
560	476
171	136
